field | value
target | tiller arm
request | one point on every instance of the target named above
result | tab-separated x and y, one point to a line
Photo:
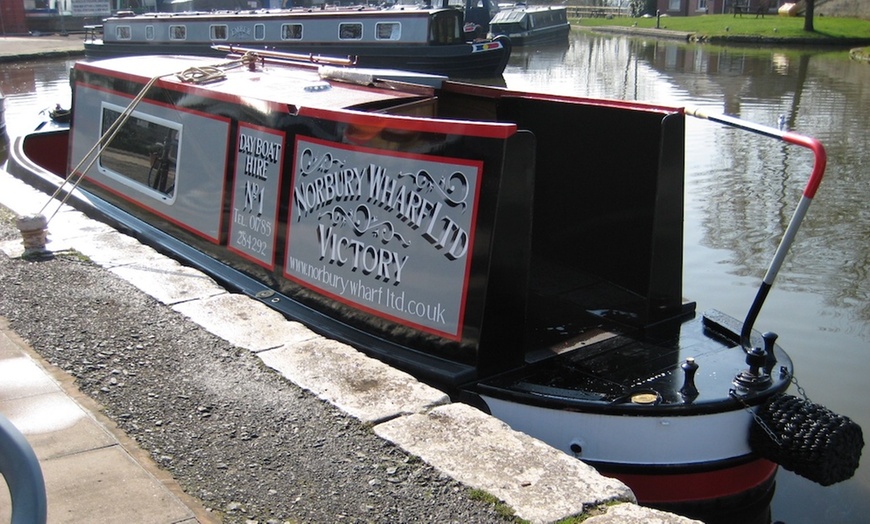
809	192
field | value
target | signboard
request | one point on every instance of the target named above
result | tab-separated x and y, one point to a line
91	8
253	226
388	233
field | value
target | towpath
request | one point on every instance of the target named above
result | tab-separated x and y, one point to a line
20	48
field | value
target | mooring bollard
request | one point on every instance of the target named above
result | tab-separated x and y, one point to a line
33	234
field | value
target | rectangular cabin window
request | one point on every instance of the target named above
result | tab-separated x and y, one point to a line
218	32
178	32
149	32
350	31
291	31
445	27
144	153
123	32
388	31
260	31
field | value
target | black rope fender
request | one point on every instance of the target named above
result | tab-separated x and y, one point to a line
808	439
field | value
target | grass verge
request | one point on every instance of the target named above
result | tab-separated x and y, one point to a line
771	26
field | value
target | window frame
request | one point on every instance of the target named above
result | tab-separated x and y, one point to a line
123	32
106	168
287	29
395	34
174	34
213	29
351	25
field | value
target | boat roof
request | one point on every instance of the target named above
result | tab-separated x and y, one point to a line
302	85
289	14
515	14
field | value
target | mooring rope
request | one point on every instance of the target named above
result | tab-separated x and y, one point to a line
76	175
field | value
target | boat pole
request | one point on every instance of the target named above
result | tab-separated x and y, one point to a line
820	161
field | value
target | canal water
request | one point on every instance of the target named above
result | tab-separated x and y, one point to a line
741	191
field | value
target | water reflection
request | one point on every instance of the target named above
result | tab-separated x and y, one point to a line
749	184
758	180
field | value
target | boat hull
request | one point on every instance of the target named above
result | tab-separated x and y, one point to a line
540	37
529	26
419	40
485	60
667	461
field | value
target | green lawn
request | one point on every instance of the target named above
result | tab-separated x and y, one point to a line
770	26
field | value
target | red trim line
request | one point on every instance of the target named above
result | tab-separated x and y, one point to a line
698	487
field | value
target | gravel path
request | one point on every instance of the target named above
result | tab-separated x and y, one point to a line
250	445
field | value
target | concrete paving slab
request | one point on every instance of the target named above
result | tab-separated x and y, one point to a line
112	249
22	378
107	486
359	385
486	454
168	281
20	198
28	47
244	322
634	514
12	248
55	425
69	229
92	471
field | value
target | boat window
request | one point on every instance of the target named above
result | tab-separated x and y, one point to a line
122	32
388	31
259	31
143	154
149	32
445	27
291	31
218	32
178	32
350	31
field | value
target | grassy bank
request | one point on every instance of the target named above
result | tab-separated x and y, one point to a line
723	26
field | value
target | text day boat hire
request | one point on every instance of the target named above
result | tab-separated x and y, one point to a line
499	245
413	39
532	25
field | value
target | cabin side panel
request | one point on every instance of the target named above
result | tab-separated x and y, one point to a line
391	229
387	28
155	158
385	225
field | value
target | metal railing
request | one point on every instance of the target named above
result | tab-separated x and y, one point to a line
20	467
595	11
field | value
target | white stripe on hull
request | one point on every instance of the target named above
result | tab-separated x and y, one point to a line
639	440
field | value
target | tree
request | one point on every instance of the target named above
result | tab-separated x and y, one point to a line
809	12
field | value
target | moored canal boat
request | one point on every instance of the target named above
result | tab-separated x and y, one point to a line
532	25
500	245
414	39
